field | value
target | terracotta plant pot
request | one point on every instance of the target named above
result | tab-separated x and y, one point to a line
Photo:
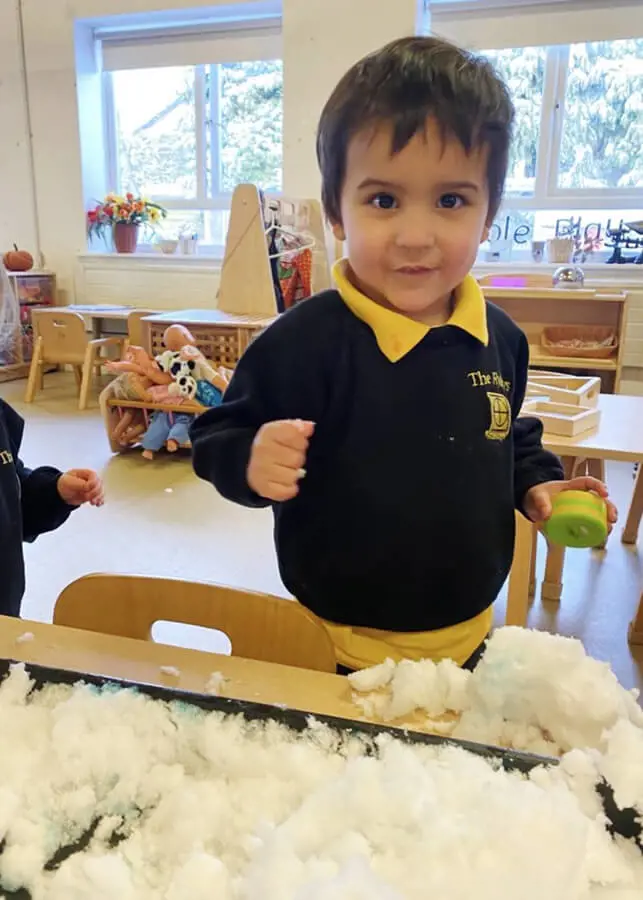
125	237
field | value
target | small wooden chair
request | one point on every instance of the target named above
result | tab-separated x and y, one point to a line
61	339
135	331
522	574
260	627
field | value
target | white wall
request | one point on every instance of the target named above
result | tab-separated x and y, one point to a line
148	281
17	217
322	39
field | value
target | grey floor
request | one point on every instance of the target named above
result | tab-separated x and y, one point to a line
159	519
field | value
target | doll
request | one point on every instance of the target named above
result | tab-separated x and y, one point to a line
169	429
135	374
137	361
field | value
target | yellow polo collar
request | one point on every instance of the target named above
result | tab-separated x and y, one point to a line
397	335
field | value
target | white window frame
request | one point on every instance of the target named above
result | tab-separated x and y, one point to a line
143	52
547	194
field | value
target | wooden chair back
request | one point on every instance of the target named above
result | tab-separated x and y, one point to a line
135	336
63	334
259	626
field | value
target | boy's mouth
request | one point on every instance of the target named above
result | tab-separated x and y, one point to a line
414	270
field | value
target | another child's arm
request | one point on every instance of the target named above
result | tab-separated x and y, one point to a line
48	496
538	474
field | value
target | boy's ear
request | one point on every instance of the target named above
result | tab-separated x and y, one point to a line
485	233
338	231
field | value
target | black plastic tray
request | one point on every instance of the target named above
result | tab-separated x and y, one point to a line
297	720
623	822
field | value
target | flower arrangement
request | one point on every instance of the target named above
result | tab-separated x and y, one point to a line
127	210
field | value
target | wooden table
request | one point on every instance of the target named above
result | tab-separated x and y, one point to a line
101	314
619	437
98	314
141	661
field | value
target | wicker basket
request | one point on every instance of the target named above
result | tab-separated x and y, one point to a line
579	341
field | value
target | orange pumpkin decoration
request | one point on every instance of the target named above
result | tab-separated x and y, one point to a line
18	260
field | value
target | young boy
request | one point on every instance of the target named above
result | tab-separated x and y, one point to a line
31	501
380	420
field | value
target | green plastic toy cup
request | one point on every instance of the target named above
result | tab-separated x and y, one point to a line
578	519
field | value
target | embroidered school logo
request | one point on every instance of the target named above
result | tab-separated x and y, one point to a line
6	458
500	417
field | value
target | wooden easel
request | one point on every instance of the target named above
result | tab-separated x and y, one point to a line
246	287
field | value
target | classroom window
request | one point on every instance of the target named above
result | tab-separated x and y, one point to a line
523	70
186	135
579	124
602	129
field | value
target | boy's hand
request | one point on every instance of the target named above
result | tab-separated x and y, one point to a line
537	502
80	486
278	457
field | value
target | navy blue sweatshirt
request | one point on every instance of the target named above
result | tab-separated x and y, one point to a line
405	519
29	505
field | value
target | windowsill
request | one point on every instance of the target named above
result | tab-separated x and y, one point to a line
151	260
595	272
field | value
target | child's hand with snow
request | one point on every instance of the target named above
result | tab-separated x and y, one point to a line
278	457
80	486
538	499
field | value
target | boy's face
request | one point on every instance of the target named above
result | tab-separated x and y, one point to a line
412	221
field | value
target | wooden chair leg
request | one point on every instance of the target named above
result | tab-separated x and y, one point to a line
78	375
88	371
636	628
532	567
596	468
35	372
578	467
631	530
519	577
552	587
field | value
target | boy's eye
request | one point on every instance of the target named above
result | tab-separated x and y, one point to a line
383	201
451	201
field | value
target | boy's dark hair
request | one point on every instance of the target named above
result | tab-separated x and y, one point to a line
405	83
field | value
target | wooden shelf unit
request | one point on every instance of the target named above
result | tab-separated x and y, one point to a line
534	308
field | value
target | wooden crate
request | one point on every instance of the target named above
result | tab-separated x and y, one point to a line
543	373
221	337
223	347
573	390
536	392
561	418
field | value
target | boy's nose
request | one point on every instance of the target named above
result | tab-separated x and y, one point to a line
415	232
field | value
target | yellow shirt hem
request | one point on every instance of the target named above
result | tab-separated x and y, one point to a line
359	648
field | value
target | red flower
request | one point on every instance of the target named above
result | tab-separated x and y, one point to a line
129	197
92	215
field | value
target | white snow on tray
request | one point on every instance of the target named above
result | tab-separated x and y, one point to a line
25	638
211	807
172	671
532	690
214	683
